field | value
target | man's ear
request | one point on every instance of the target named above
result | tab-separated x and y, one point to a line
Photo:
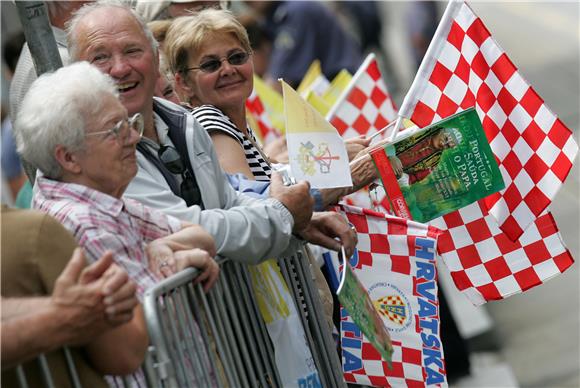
68	160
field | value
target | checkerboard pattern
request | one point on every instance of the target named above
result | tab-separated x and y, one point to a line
386	250
533	148
367	107
255	107
486	264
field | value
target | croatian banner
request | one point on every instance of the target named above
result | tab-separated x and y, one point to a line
395	261
465	67
263	125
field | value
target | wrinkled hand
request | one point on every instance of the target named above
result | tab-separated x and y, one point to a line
397	166
93	299
296	198
355	145
325	227
201	260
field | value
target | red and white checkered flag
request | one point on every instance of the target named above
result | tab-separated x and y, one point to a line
487	265
365	107
395	261
255	107
464	67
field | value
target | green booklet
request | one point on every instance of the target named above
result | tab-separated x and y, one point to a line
438	169
355	299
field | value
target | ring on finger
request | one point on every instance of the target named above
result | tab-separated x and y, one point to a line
164	263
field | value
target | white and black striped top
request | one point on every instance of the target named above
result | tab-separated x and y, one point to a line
213	119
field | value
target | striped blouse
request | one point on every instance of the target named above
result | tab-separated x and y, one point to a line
214	120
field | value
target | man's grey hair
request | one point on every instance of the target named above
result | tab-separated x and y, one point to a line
56	111
73	23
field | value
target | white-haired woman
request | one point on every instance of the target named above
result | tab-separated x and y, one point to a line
84	145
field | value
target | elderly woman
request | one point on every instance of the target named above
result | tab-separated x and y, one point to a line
211	57
84	145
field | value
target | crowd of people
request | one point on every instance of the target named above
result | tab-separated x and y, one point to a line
138	148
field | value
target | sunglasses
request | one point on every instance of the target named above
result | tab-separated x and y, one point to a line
171	159
122	130
212	65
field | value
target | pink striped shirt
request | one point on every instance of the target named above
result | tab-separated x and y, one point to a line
103	223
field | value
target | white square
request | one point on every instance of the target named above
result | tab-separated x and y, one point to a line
376	226
348	113
554	245
523	215
520	118
452	261
470	213
507	285
455	89
549	184
570	148
491	51
487	249
497	114
398	247
500	210
517	86
523	151
365	84
464	17
370	111
548	151
530	235
449	56
545	118
478	275
493	83
469	49
460	237
546	269
517	260
500	147
412	371
505	176
364	242
524	183
474	296
431	96
474	82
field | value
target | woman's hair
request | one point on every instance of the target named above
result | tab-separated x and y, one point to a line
56	110
188	33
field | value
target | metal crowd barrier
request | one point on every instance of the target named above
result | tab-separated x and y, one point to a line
219	338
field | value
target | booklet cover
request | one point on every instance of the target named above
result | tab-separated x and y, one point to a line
355	298
438	169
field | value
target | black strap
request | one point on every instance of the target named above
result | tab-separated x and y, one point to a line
169	177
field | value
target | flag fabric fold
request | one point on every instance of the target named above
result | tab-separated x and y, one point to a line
464	67
395	261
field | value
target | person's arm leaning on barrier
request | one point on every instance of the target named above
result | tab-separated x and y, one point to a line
94	306
192	246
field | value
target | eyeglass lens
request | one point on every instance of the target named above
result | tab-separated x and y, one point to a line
235	59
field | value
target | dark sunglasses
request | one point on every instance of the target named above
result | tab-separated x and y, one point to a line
212	65
172	161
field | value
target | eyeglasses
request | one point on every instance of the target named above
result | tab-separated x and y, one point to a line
212	65
172	161
122	130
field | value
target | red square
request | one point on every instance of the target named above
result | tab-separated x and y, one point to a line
401	264
378	381
478	230
527	278
378	96
440	76
534	136
503	68
422	115
469	256
397	227
456	36
411	356
492	199
468	100
445	243
357	98
477	32
379	243
505	243
373	70
446	107
364	259
559	133
380	122
480	66
489	292
546	225
536	168
485	98
511	134
340	125
453	220
361	125
531	102
512	164
506	101
461	280
512	196
491	130
563	261
537	252
561	166
462	70
359	222
497	268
